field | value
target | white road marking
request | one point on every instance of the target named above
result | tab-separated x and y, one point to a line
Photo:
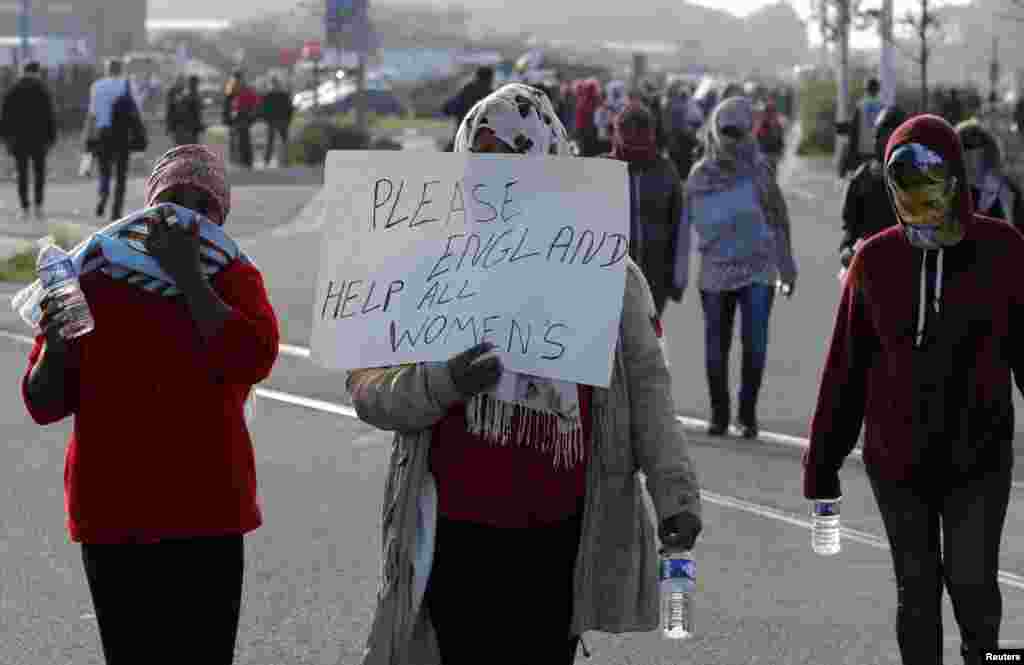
1006	578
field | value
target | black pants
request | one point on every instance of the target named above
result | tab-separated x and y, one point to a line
177	601
274	130
38	159
504	596
113	163
243	131
972	514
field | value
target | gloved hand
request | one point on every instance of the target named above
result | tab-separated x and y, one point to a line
473	371
679	532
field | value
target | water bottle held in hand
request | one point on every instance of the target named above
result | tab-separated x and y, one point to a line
678	585
825	526
59	279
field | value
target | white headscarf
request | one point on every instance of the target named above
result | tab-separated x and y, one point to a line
521	116
525	409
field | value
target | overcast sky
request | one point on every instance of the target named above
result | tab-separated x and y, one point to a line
238	9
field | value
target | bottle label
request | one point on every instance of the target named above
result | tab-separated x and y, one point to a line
826	508
55	272
678	568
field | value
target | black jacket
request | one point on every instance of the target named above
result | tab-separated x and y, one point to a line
28	120
867	209
277	108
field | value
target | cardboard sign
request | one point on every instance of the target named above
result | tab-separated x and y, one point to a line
426	254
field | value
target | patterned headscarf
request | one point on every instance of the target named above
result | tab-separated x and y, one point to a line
522	117
196	166
525	410
727	160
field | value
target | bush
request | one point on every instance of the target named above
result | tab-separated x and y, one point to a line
316	139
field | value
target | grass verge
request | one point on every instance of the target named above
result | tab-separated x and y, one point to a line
21	267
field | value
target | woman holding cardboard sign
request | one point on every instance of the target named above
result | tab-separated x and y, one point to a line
540	522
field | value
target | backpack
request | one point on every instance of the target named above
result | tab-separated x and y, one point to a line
126	122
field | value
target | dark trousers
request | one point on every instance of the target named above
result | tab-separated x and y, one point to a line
971	516
113	163
488	582
274	130
176	601
38	159
244	134
755	302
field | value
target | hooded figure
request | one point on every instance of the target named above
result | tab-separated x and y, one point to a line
994	193
588	99
656	200
926	337
735	205
866	205
538	481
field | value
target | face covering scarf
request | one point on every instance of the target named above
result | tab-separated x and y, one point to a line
923	192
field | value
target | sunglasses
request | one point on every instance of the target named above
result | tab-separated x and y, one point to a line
913	166
732	132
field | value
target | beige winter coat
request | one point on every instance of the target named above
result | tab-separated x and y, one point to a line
634	430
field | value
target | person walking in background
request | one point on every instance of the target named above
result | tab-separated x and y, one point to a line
860	130
656	201
161	525
556	506
277	111
953	108
770	131
867	208
185	114
735	205
28	126
231	90
604	118
110	135
993	191
458	106
588	100
245	109
684	119
926	337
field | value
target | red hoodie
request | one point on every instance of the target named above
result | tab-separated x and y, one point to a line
942	409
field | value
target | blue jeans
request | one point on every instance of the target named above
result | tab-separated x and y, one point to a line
755	301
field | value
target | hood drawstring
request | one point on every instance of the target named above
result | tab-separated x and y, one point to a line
937	302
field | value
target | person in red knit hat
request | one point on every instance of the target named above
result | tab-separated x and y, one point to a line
159	477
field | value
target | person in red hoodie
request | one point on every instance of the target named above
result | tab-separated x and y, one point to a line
926	337
245	111
159	477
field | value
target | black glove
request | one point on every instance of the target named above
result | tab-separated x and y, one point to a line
679	532
473	371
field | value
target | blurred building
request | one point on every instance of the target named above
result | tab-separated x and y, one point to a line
72	31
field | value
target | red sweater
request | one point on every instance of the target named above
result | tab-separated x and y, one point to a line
510	487
160	447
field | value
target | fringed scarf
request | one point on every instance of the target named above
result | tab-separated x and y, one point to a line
525	410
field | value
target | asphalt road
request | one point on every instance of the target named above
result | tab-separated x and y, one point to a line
312	568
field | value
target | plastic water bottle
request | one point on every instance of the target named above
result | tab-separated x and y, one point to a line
678	581
825	526
60	281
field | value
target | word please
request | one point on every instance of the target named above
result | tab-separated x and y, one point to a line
389	209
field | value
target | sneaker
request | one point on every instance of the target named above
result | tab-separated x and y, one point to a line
717	429
748	431
100	207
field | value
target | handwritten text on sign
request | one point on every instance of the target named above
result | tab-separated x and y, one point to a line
426	254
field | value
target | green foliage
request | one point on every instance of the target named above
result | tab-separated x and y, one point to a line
19	268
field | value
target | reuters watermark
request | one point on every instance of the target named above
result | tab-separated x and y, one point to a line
1005	656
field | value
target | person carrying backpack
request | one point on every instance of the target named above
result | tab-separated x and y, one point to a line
114	130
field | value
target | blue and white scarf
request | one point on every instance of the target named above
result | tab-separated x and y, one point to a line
119	250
